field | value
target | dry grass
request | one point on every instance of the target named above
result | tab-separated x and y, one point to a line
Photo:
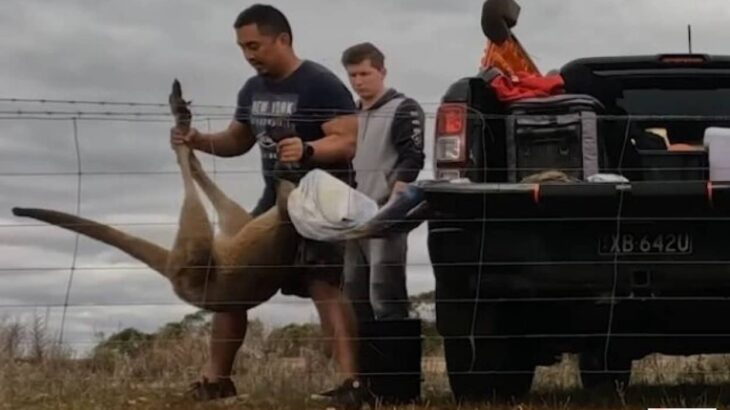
157	376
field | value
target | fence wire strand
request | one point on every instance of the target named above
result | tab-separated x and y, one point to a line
77	236
205	114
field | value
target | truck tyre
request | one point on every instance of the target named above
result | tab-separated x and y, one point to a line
502	369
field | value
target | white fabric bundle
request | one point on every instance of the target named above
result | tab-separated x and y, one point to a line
325	208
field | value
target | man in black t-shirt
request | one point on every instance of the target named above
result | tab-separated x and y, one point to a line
300	103
289	108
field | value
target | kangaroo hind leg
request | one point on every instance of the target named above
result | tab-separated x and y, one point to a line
232	217
192	250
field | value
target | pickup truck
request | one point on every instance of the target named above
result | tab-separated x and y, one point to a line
611	271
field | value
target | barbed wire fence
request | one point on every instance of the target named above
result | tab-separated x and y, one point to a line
117	111
206	115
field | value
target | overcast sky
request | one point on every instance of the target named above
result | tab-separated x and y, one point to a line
131	50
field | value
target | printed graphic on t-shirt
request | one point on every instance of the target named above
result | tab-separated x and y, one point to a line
270	111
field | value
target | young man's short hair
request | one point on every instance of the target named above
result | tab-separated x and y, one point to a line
270	20
361	52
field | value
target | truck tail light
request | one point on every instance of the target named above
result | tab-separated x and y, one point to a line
450	141
450	150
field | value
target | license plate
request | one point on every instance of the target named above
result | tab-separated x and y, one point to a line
645	244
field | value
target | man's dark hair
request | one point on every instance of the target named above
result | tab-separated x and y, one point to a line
269	19
361	52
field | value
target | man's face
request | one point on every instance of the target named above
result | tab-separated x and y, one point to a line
365	79
264	52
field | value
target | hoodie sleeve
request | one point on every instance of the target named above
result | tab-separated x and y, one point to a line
407	133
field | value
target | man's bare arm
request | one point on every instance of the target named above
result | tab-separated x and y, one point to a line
339	142
235	140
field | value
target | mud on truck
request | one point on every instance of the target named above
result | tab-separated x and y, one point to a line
591	221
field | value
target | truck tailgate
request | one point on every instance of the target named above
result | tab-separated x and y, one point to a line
577	239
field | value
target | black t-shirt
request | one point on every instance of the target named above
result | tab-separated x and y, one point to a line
309	97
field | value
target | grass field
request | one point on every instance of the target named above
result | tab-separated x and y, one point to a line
157	376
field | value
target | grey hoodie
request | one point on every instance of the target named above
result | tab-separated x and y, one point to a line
389	145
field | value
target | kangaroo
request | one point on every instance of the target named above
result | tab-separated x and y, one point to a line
240	267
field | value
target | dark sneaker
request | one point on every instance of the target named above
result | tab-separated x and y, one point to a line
350	395
204	390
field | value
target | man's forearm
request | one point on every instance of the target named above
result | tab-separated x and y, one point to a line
334	148
221	144
214	143
339	142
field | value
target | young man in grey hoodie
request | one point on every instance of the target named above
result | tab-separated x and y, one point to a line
389	155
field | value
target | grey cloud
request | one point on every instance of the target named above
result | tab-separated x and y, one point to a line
558	31
111	49
430	8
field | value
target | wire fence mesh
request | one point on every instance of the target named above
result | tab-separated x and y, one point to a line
477	300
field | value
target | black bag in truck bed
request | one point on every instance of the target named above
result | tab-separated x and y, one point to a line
558	132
